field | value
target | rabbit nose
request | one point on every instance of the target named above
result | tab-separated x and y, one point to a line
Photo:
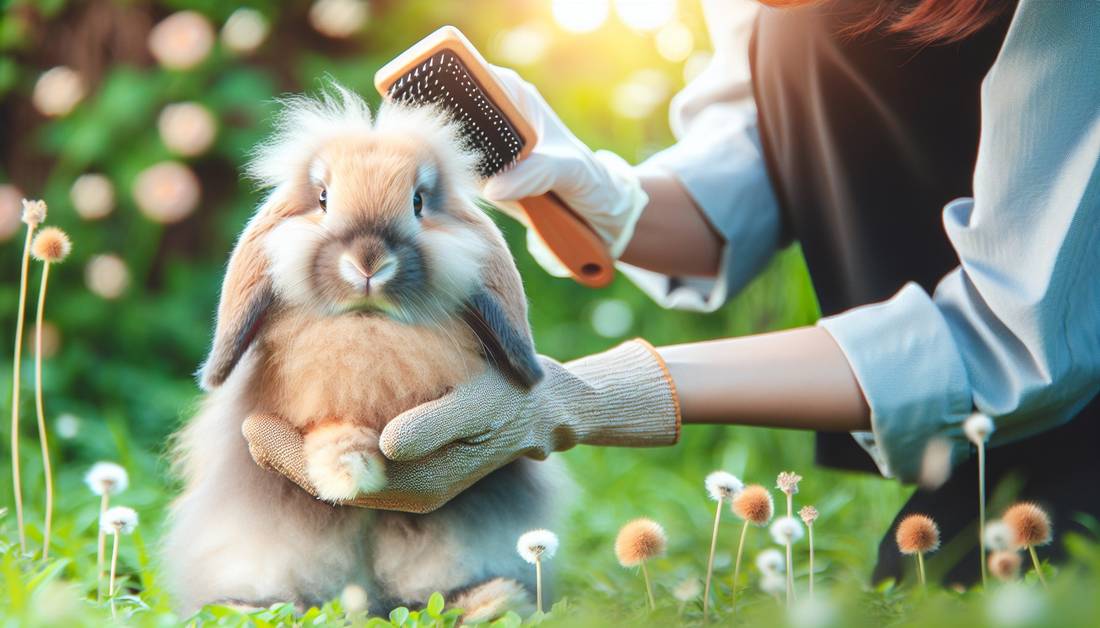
365	277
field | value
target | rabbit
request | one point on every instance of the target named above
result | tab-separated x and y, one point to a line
368	282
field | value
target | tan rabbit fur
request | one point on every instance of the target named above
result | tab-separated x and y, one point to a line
347	301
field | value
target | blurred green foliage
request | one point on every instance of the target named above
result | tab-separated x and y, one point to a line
123	366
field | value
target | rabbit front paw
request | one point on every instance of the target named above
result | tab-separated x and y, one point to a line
343	461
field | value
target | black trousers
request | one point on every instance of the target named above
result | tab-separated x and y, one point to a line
1058	469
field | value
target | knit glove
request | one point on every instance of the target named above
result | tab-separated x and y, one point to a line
622	397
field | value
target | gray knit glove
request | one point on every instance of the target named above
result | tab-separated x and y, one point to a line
622	397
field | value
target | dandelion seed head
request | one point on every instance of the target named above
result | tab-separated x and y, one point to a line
723	486
688	590
119	519
638	541
1005	565
34	212
918	534
998	536
1029	523
754	504
107	478
808	515
978	427
537	544
51	245
771	561
354	599
786	531
788	482
773	583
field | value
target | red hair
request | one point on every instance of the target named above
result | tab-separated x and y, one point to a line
924	21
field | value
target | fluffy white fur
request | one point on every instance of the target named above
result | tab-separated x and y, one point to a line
243	535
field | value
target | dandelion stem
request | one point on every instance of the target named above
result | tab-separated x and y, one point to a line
648	588
38	406
16	484
737	563
790	577
710	559
103	503
920	569
114	562
538	584
810	531
981	508
1038	567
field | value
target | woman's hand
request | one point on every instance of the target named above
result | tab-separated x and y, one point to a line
621	397
600	187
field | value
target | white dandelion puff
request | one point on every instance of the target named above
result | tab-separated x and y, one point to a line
107	478
786	530
978	427
770	561
998	536
537	545
118	519
723	486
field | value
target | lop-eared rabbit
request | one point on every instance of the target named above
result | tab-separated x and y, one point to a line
352	296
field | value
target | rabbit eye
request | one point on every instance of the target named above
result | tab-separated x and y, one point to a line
324	200
418	204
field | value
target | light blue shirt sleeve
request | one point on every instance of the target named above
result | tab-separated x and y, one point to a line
1014	331
719	161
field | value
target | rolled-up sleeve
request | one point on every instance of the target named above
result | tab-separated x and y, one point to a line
719	162
1014	331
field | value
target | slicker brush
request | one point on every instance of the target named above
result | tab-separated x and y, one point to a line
446	71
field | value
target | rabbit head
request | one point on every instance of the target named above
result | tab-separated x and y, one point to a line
370	216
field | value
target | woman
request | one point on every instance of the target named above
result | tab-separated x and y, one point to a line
937	161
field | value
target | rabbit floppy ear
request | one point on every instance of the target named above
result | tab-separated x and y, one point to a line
498	312
246	295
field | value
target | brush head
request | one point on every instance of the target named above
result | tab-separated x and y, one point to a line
444	70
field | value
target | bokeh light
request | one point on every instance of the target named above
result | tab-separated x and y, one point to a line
695	65
67	426
58	91
244	31
93	196
522	45
640	94
166	192
107	276
645	15
612	318
182	40
580	16
675	42
11	209
187	128
338	18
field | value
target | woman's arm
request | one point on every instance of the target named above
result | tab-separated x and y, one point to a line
672	236
797	378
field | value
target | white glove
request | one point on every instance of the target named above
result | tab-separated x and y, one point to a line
600	187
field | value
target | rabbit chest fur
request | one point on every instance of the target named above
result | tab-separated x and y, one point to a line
360	368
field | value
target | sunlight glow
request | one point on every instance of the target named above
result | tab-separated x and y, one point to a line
580	16
675	42
645	15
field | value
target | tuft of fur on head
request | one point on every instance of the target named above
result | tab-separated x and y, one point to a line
335	253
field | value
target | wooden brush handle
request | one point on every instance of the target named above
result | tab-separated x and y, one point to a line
570	238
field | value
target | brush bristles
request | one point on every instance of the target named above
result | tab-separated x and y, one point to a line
754	504
51	245
638	541
918	534
1005	565
1030	524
